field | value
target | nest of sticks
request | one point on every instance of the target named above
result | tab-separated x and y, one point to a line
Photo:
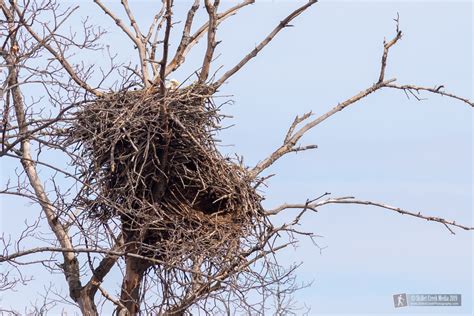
151	161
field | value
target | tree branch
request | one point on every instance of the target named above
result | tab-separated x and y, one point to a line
283	24
164	58
291	141
351	200
58	56
211	39
137	39
436	90
184	49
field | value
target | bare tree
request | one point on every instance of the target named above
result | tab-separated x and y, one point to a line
142	189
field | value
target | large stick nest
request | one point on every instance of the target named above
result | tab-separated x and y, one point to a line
151	161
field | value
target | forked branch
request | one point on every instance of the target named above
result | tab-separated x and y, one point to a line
187	42
294	134
138	39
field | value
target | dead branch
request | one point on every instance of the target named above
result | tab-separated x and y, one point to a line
351	200
386	48
164	58
57	55
192	230
436	90
292	139
137	39
187	42
283	24
211	39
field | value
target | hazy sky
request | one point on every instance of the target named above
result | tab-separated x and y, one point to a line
387	148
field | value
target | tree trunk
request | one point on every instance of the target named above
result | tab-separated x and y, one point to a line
86	304
130	295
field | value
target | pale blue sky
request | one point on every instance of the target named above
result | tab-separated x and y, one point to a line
415	155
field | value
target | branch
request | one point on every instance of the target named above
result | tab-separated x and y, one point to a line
164	59
293	137
386	48
137	39
351	200
59	57
71	265
104	267
283	24
185	40
436	90
187	43
72	251
140	42
211	39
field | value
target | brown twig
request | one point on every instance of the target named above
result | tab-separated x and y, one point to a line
164	58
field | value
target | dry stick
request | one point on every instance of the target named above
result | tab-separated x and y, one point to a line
142	43
23	253
185	39
164	58
154	30
290	142
267	40
436	90
59	57
19	254
211	39
29	133
188	43
386	48
292	138
351	200
112	299
136	39
153	24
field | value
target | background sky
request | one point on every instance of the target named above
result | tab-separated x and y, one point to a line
387	148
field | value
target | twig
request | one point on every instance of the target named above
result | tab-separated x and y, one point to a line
436	90
164	59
